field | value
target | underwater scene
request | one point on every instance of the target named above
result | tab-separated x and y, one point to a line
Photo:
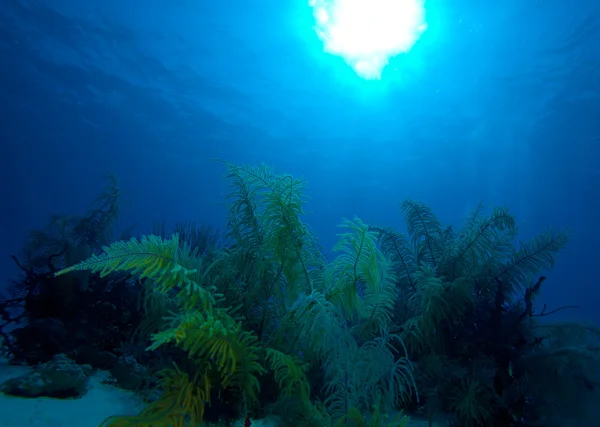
307	213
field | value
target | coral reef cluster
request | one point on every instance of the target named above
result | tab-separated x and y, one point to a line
438	322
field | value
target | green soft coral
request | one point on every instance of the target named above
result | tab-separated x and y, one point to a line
206	332
181	404
170	265
460	299
289	301
319	309
215	337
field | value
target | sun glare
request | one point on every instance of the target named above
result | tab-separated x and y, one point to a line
367	33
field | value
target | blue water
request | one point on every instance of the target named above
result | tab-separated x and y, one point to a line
497	102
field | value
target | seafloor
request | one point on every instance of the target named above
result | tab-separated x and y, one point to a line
100	402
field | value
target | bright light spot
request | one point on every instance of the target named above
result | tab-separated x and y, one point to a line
367	33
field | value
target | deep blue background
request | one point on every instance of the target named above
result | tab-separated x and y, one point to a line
498	102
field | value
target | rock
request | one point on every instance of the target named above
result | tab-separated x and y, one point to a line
128	373
98	359
60	378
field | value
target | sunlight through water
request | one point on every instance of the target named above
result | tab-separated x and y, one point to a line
367	33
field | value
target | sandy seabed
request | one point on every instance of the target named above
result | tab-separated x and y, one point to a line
100	402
